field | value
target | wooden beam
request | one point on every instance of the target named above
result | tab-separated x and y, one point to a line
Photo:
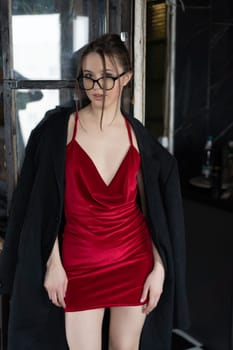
8	96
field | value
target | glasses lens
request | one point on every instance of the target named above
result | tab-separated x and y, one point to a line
87	83
106	83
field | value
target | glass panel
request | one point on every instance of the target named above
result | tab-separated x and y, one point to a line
3	177
47	35
31	106
156	51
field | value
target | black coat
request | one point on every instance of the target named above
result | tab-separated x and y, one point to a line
37	217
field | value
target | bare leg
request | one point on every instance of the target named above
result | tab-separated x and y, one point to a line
125	327
83	329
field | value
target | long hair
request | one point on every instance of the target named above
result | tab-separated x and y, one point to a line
109	45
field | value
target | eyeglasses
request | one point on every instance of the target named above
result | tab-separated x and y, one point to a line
105	83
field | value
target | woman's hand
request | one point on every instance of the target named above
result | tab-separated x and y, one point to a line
153	288
55	278
56	283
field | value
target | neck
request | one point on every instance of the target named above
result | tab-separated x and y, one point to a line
109	115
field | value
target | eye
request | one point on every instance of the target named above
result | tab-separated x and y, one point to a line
87	75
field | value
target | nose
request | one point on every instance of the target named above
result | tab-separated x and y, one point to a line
96	85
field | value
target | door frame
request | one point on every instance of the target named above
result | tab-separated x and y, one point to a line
140	21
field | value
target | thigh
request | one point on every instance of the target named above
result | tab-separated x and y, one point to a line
126	324
83	329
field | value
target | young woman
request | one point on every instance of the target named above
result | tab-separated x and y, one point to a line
121	243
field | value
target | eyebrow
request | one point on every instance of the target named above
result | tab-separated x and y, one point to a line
106	71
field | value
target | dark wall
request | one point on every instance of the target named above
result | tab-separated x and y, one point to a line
204	106
204	76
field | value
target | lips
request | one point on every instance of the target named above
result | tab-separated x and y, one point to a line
98	96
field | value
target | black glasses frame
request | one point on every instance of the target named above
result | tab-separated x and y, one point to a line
80	82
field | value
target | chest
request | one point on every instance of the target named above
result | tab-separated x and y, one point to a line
107	150
80	165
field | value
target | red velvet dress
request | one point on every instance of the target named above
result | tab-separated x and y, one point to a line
106	249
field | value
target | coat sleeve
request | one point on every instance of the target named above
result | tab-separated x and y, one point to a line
19	203
174	212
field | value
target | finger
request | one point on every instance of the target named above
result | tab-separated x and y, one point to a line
65	287
144	293
61	299
50	294
62	293
48	290
152	303
55	300
150	306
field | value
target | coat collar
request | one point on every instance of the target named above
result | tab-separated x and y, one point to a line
148	148
58	141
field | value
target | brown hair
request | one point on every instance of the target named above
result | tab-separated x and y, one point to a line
110	45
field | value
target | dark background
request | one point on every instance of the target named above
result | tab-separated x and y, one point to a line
204	106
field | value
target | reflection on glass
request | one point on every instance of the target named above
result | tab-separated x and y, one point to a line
80	38
46	38
36	46
31	106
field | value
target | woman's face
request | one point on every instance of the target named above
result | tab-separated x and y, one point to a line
93	68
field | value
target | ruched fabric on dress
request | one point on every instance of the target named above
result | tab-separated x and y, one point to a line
106	248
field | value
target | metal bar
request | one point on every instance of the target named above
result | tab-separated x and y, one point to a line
172	77
39	84
164	138
66	51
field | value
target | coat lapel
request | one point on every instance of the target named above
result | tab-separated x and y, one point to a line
58	145
147	147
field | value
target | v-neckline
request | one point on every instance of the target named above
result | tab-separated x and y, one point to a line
95	167
92	161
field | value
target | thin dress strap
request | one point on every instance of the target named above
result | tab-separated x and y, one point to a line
75	126
129	131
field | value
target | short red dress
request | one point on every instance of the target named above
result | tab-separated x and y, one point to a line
106	249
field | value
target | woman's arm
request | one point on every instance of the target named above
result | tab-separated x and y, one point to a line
153	285
55	277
